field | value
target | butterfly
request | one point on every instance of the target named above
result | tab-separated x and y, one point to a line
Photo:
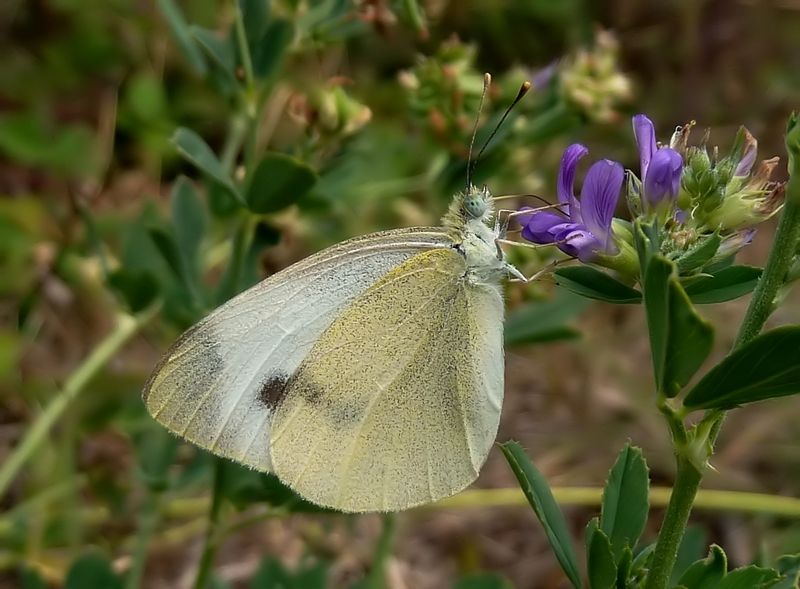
367	377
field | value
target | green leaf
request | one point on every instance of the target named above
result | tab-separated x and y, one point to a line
656	301
641	561
221	51
31	579
271	574
700	254
192	147
789	567
255	16
155	451
594	284
680	339
764	368
600	562
749	577
706	573
624	568
221	202
646	240
544	321
189	221
138	288
35	140
168	248
92	571
183	37
726	285
538	494
270	51
693	546
264	236
625	500
588	534
244	487
311	575
278	181
482	581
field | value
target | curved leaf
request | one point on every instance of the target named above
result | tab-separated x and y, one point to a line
542	321
680	340
766	367
278	181
708	572
594	284
726	285
625	500
192	147
600	561
538	494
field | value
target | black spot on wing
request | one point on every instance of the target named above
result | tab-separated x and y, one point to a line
345	414
310	392
273	390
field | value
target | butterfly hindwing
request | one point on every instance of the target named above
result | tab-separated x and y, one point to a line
219	383
398	401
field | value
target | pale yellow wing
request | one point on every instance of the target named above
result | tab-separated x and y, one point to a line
217	386
398	402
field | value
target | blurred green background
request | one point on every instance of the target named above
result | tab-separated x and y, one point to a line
363	111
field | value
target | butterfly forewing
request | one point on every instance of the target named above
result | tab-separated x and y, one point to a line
220	382
398	402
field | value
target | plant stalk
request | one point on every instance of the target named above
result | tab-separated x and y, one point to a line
212	537
127	326
149	518
784	247
377	574
687	482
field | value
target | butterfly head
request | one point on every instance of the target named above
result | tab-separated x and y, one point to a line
476	203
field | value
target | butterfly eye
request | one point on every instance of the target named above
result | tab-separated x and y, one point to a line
474	206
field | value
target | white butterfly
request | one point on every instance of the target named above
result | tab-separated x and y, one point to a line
367	377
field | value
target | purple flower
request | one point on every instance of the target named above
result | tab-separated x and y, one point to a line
584	228
660	167
749	156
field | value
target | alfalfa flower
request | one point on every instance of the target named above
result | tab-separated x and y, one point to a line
660	167
582	228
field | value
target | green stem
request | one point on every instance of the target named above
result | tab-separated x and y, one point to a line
773	278
687	482
233	142
127	326
377	574
784	247
212	537
251	94
149	518
781	256
244	48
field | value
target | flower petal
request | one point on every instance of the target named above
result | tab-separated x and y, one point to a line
577	241
537	227
645	134
664	176
566	179
749	158
599	198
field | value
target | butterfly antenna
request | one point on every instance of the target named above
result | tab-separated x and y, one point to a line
523	90
487	81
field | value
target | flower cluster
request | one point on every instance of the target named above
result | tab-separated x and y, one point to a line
688	192
592	82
